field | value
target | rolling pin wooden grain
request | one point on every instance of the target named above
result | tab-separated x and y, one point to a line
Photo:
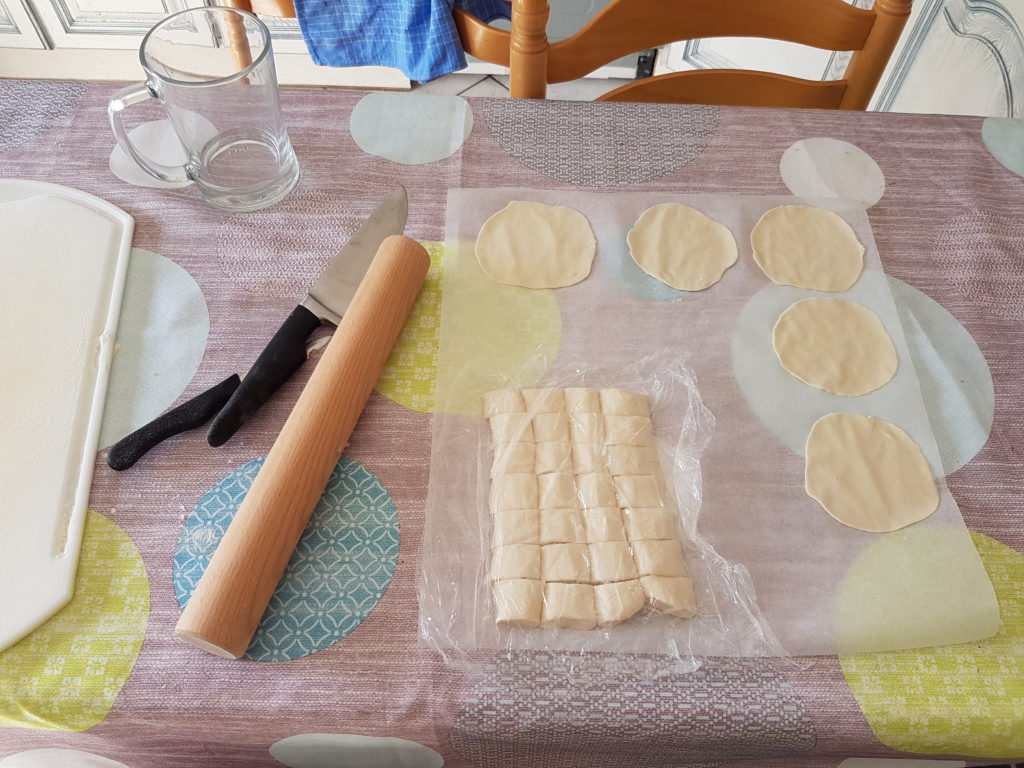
225	609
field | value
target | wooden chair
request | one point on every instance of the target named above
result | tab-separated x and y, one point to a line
627	26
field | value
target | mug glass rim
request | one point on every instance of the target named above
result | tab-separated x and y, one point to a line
204	10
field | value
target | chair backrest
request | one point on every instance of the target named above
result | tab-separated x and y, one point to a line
627	26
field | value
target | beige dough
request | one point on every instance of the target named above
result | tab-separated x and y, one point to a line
617	602
628	430
511	427
502	401
513	458
807	247
868	474
518	602
604	525
582	400
562	526
632	460
545	400
596	490
649	523
548	427
515	526
836	345
516	561
640	491
536	246
588	457
565	562
681	247
569	606
663	557
611	561
586	427
670	594
553	456
557	491
622	402
515	491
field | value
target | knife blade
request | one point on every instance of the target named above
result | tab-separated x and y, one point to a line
327	301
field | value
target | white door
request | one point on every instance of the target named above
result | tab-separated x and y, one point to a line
17	28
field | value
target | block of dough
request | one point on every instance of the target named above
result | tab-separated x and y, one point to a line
628	430
586	427
547	400
633	460
596	490
569	606
513	458
640	491
515	526
557	490
553	456
516	561
518	602
582	400
660	557
514	491
510	428
622	402
670	594
565	562
588	457
617	602
650	523
550	427
611	561
562	526
604	525
503	401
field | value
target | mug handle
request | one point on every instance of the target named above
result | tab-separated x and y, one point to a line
133	94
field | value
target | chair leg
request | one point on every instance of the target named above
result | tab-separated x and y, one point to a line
868	64
528	53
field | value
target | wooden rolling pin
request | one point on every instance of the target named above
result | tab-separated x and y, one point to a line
225	609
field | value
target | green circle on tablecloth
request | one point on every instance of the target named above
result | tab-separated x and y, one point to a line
411	128
1004	137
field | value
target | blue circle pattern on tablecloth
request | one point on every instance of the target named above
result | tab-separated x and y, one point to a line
1004	138
341	568
616	260
411	128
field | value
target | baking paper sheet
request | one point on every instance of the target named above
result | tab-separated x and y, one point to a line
823	587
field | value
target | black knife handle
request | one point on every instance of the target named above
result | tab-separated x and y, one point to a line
189	415
282	357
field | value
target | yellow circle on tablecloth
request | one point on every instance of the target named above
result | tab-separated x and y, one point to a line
66	675
966	698
494	333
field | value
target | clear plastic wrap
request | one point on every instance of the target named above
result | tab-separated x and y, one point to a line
459	609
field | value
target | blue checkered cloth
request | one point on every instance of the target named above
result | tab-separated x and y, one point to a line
415	36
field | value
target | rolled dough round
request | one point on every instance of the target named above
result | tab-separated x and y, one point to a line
681	247
836	345
536	245
868	474
807	247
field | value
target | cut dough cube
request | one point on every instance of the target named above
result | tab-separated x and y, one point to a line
622	402
596	490
516	526
544	400
549	427
650	523
640	491
555	456
611	561
633	460
604	524
587	457
628	430
510	428
565	562
582	400
586	427
514	491
562	526
617	602
670	594
513	458
557	490
518	602
516	561
661	557
569	606
502	401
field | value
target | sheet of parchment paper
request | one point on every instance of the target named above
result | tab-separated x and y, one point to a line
823	587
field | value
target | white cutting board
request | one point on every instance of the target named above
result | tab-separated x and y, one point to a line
63	259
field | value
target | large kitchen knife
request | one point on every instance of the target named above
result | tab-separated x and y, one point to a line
326	301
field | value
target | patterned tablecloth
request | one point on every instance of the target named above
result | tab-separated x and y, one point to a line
338	652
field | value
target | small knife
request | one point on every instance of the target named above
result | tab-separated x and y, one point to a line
326	302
